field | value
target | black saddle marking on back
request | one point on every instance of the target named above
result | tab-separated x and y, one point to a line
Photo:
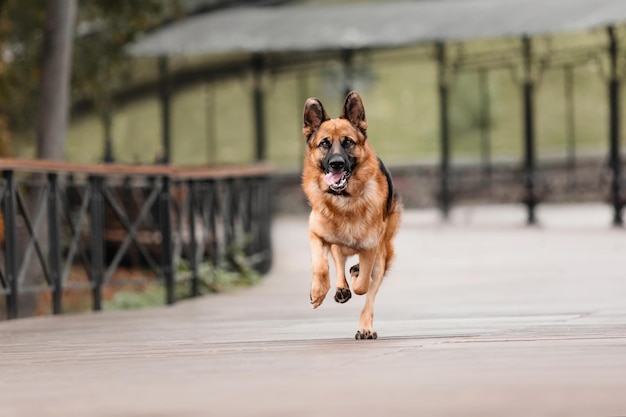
391	191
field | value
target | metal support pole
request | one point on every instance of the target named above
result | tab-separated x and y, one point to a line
303	94
258	102
11	244
444	132
165	95
245	212
229	211
264	218
211	209
615	160
530	198
485	125
570	116
347	56
54	244
193	246
107	122
166	240
210	106
96	232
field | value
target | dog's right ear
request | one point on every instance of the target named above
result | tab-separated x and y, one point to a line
314	116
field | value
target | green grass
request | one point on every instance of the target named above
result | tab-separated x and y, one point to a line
211	281
234	271
213	123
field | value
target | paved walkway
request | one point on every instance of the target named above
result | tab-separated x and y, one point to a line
482	317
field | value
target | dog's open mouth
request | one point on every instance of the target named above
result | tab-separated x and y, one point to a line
337	181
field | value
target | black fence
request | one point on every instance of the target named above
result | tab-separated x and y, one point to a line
73	227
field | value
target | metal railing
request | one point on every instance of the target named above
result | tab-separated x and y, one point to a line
58	218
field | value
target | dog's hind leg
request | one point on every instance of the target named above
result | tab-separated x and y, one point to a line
354	271
343	293
367	314
361	274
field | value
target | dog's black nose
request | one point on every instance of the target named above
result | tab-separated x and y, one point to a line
337	163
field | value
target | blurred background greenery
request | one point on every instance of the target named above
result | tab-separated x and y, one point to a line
213	119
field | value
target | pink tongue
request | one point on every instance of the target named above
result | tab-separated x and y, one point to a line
333	177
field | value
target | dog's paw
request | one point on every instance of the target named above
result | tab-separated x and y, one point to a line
318	293
354	270
365	335
343	295
316	302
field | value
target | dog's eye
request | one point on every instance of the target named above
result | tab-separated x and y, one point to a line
348	143
324	144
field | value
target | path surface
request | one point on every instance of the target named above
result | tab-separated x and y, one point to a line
482	317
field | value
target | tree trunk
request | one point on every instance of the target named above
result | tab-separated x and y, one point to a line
54	101
55	79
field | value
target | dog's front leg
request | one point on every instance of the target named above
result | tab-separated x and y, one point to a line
319	266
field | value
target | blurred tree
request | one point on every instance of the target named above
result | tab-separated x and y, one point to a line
36	43
99	66
56	66
20	44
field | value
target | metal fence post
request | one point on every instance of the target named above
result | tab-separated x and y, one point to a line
54	244
193	246
529	133
485	125
96	214
615	161
347	56
570	118
11	245
265	224
228	213
165	95
166	240
444	131
258	104
246	214
210	211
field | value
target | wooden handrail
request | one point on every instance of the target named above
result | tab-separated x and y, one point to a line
222	172
174	172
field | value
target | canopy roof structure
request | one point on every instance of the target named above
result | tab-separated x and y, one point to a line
263	33
377	25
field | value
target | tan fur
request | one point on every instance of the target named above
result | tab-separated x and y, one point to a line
356	223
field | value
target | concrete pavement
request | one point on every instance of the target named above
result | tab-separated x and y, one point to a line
480	317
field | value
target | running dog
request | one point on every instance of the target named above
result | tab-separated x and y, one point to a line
355	209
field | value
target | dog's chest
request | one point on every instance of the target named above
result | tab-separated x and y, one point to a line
358	232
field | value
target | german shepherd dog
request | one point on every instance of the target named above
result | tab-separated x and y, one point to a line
354	206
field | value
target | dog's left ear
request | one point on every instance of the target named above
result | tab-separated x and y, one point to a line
354	112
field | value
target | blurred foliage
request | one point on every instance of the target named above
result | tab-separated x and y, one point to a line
99	66
104	28
213	121
21	34
152	296
234	270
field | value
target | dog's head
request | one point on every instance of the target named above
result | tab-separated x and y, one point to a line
336	145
